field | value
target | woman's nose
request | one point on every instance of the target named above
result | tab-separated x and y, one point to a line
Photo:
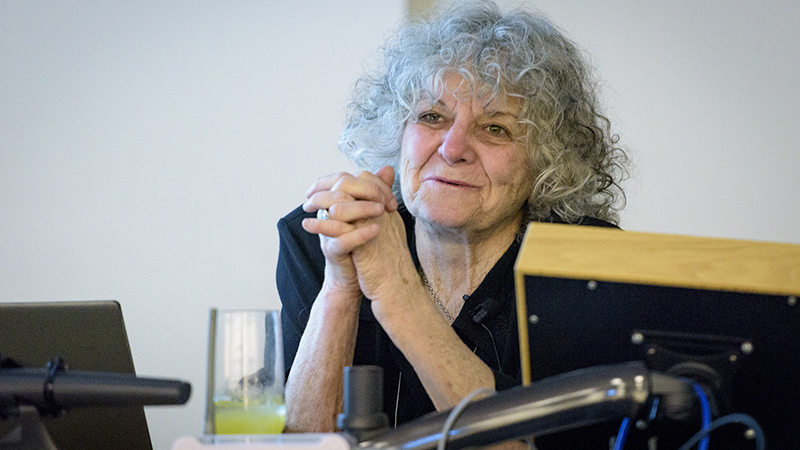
457	145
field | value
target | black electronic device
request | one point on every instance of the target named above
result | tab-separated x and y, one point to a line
721	312
70	364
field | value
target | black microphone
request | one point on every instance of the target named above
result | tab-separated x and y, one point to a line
52	392
485	310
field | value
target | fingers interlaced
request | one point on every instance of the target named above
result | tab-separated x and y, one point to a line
345	243
326	199
354	204
328	228
366	186
325	183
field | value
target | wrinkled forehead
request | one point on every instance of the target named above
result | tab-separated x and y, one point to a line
463	85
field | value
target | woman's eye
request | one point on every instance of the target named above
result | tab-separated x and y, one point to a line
430	117
497	131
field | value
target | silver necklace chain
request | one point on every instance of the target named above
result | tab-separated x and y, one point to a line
433	294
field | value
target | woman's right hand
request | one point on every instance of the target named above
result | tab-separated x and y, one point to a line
350	201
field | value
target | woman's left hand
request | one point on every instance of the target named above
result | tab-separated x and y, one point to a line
384	265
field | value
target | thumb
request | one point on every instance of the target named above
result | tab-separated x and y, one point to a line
386	174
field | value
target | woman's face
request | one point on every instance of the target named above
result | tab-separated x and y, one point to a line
461	164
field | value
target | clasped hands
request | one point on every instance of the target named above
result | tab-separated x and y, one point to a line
364	238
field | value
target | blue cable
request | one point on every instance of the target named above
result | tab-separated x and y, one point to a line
623	434
706	414
702	436
625	426
725	420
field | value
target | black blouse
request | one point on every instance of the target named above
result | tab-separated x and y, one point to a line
487	323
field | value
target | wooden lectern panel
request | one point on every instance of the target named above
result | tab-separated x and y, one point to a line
605	254
660	259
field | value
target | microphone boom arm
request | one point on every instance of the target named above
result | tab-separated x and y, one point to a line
572	400
27	394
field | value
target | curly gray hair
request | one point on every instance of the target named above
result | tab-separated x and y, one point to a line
576	162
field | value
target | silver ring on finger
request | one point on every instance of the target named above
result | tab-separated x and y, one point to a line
322	214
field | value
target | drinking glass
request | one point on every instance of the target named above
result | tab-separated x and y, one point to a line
245	373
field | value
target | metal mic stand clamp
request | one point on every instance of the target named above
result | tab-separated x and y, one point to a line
30	433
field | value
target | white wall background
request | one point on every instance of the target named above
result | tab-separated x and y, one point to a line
148	148
706	94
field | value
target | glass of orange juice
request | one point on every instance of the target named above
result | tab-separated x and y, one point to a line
245	373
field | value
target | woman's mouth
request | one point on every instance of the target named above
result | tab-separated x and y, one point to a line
450	182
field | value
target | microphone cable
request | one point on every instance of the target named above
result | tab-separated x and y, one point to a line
456	412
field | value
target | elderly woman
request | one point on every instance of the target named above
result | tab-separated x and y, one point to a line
476	124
